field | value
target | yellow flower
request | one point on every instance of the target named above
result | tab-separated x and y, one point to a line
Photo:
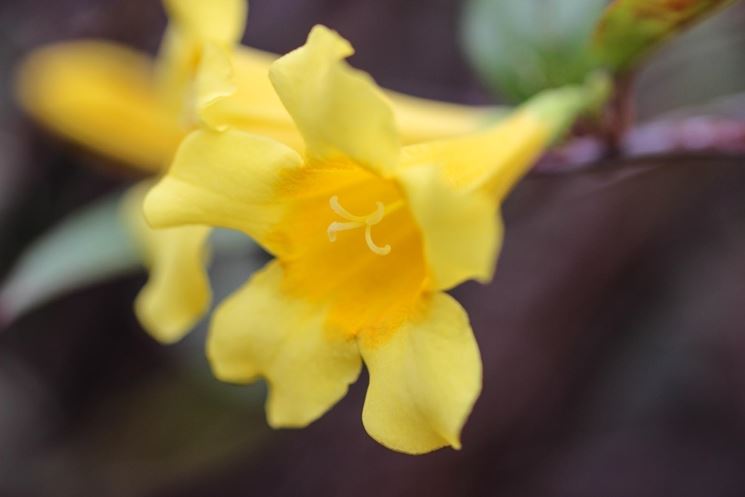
121	104
367	235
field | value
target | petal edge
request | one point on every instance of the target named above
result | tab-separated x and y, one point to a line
260	331
424	380
339	110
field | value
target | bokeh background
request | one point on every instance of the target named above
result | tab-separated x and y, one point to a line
613	336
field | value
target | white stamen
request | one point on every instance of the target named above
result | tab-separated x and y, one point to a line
371	244
376	216
355	222
341	211
335	227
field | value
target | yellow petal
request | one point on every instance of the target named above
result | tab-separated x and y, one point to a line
492	160
102	96
219	21
233	90
424	380
338	110
214	82
420	120
261	331
177	63
177	293
496	158
227	179
461	231
194	23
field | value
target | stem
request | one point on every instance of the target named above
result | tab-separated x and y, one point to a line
619	114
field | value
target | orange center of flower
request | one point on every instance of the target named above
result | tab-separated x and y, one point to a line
368	287
354	222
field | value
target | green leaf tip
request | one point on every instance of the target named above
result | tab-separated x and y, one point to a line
522	47
629	30
90	245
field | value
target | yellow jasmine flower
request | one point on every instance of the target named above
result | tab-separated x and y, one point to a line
120	103
367	235
100	95
123	104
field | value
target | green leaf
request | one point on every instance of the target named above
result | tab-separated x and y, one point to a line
700	73
91	245
521	47
630	29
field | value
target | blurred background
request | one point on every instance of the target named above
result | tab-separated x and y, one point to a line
613	336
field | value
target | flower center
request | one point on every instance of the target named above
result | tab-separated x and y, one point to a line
354	222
